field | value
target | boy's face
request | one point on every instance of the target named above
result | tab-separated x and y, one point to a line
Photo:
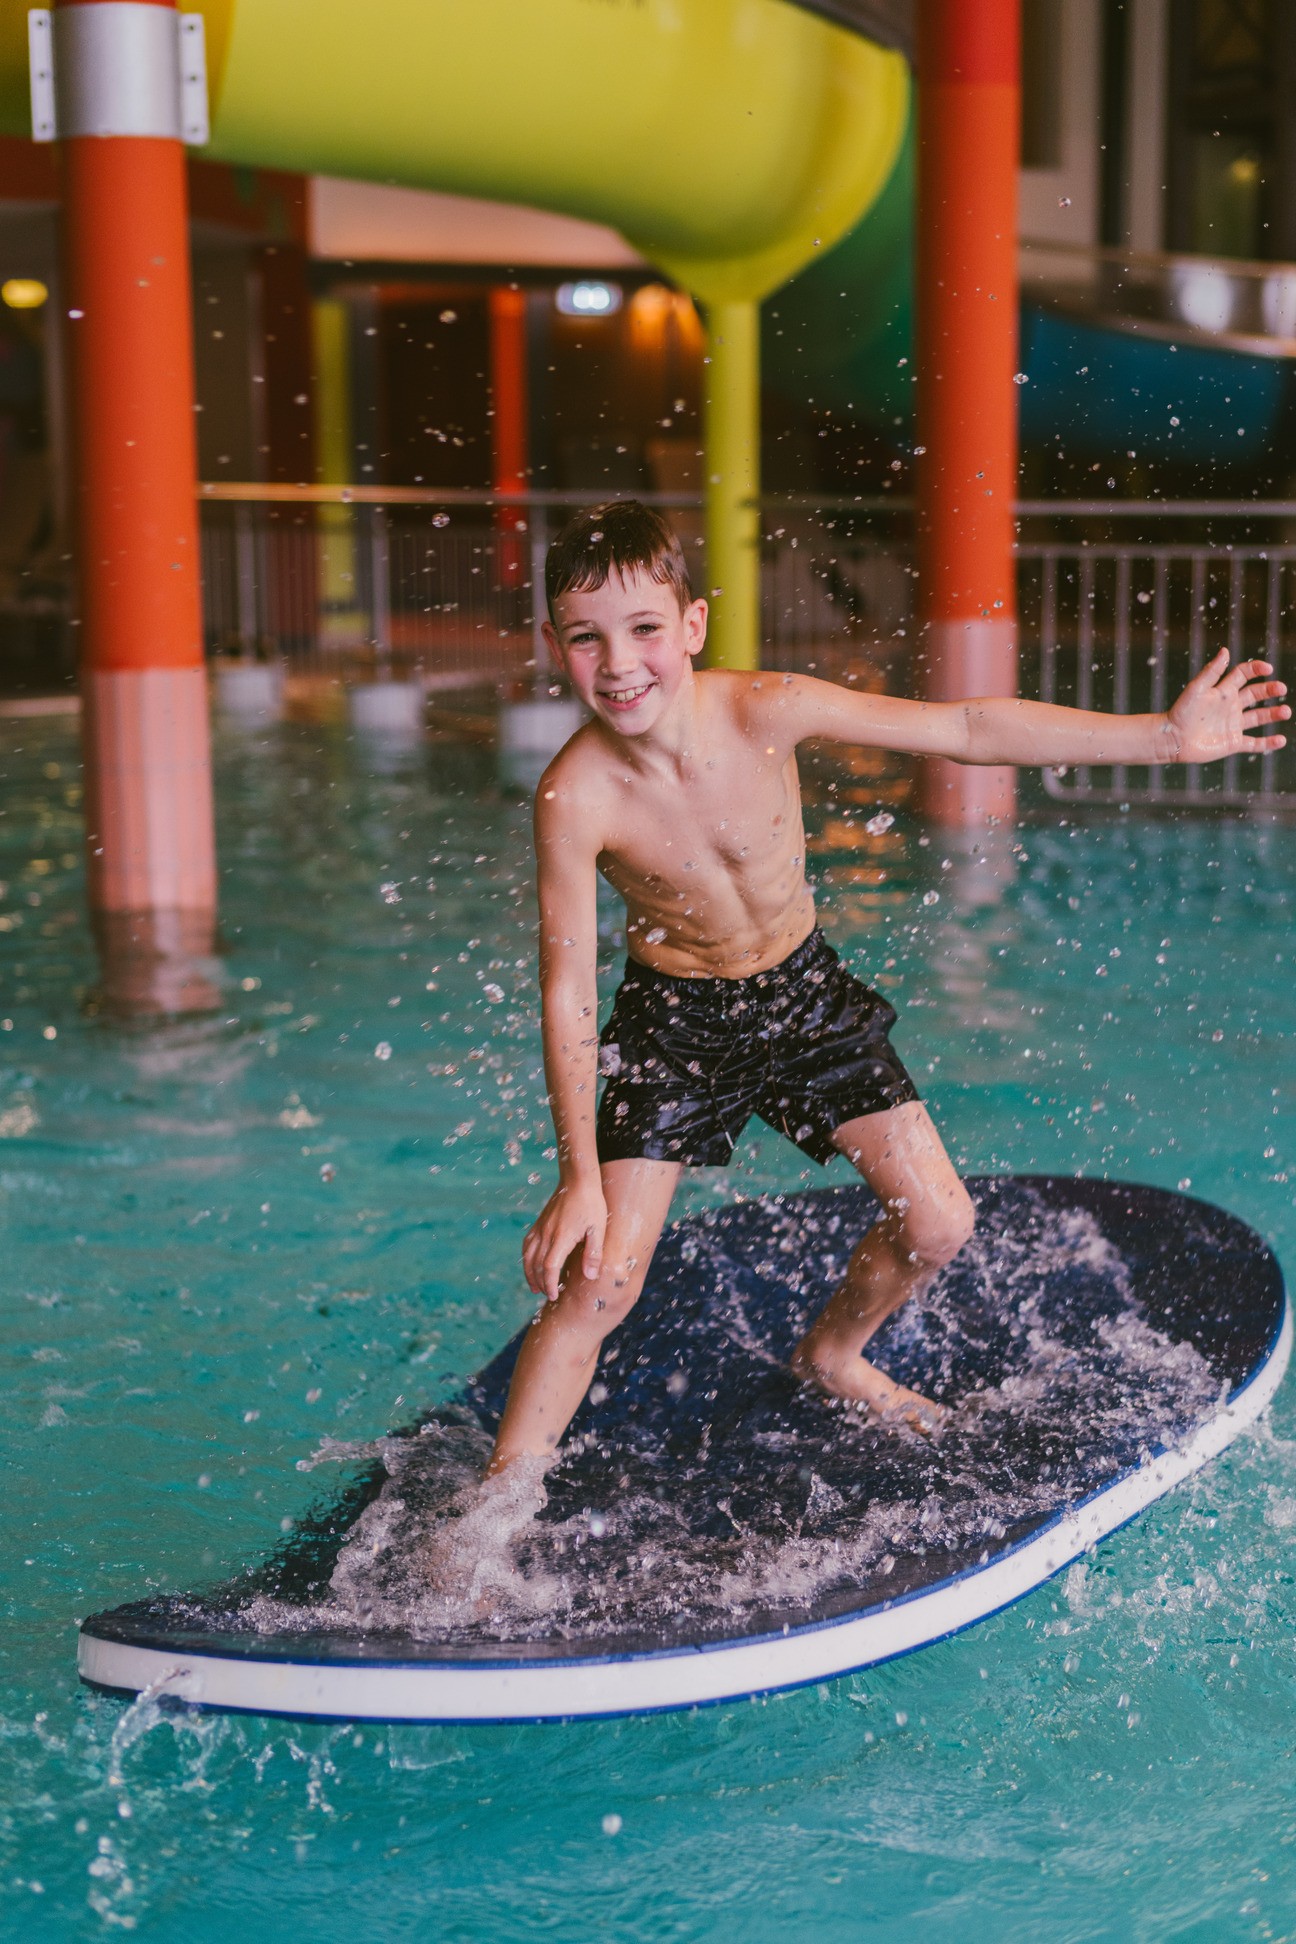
626	648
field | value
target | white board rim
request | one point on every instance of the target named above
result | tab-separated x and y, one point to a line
713	1672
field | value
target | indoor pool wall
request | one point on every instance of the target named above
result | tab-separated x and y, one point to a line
226	1238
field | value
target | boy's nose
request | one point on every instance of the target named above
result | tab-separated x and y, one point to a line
619	657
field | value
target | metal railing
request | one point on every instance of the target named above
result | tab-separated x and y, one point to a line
346	582
1248	306
1124	627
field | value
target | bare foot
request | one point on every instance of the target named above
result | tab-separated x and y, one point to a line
860	1382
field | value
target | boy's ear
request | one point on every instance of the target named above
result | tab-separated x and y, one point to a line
695	626
553	644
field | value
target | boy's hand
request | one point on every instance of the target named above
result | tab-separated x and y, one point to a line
576	1212
1212	716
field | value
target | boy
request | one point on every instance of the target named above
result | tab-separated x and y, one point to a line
683	792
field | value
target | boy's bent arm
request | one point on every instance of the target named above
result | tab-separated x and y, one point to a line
1211	719
566	857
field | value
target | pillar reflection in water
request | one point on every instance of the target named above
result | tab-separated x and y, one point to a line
982	868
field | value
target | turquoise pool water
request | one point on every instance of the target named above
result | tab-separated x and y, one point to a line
225	1238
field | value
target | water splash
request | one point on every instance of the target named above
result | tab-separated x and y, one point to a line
718	1487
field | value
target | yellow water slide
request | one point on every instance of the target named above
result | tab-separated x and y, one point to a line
728	140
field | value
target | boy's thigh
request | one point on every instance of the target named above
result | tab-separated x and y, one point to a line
638	1195
902	1158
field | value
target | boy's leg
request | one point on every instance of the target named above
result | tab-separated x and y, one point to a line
926	1218
559	1352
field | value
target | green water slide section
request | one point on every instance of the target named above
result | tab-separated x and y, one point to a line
840	333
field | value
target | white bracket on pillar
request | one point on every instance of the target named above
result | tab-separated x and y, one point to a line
195	127
40	61
121	67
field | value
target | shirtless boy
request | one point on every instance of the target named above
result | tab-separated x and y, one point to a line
683	792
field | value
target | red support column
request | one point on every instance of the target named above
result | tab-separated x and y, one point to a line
966	324
128	328
509	443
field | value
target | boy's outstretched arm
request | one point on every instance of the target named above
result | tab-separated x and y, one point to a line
576	1212
1213	718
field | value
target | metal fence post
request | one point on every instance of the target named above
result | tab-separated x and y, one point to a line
246	581
380	584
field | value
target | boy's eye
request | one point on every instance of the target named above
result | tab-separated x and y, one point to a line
646	627
580	640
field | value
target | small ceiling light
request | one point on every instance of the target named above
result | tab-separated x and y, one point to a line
23	293
588	299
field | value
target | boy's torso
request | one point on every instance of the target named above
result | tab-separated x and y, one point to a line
709	851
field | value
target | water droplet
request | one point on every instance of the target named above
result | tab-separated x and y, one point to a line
882	822
383	1050
494	993
440	519
611	1825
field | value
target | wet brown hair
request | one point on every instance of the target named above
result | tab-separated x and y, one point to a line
622	537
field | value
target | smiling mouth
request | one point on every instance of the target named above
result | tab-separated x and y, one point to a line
625	698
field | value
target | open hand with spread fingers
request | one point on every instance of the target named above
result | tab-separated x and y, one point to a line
1219	708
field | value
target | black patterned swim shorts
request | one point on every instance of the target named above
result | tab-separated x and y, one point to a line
689	1061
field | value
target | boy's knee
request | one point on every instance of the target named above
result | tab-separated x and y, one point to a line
605	1300
935	1236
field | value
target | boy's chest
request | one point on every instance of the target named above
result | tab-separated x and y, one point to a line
726	816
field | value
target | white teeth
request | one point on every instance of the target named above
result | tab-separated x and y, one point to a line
627	695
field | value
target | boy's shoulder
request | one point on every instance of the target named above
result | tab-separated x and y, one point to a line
575	778
736	692
749	698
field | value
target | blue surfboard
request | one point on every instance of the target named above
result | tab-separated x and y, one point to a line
715	1529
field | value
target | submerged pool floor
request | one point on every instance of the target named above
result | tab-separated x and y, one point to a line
226	1239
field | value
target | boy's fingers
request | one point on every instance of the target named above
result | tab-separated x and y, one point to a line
592	1262
555	1262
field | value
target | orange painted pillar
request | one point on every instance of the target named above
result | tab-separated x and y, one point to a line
966	340
128	331
510	455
